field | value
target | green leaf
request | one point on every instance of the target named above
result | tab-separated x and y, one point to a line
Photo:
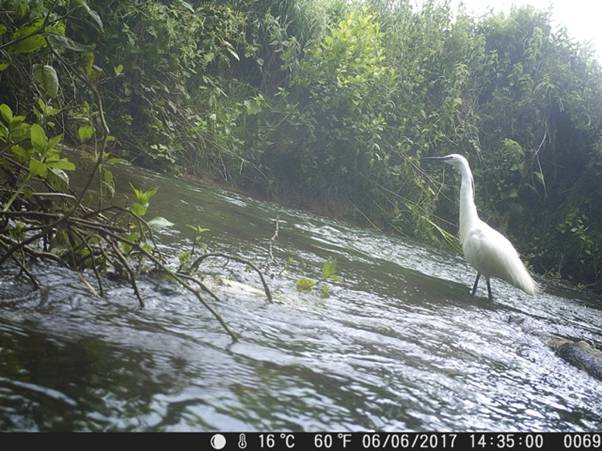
304	284
21	155
61	41
118	69
17	120
53	154
52	142
199	230
107	176
7	113
92	14
3	29
4	66
63	164
37	168
38	138
22	9
51	81
20	131
43	108
47	78
150	193
85	133
329	269
143	197
136	191
34	42
27	30
115	160
61	175
138	209
184	258
107	181
109	188
88	64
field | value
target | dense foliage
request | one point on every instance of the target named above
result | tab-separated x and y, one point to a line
331	104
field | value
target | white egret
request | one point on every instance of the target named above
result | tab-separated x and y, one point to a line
485	249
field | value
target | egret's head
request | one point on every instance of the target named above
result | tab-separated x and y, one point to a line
454	159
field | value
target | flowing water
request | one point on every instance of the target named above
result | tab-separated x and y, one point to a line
399	345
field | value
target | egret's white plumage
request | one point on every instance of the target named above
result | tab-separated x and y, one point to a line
486	249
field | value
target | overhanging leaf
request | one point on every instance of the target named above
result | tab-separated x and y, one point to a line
47	78
7	113
61	175
55	140
93	15
38	138
63	164
20	154
85	133
32	38
58	40
37	168
138	209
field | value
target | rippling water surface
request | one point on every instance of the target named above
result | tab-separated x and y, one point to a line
399	345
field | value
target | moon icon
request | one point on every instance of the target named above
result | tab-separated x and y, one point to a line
218	441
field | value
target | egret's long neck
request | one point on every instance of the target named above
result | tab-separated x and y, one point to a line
468	209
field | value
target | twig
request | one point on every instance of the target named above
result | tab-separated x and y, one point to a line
200	259
87	284
21	244
200	284
174	276
271	244
136	217
39	254
32	279
94	265
127	267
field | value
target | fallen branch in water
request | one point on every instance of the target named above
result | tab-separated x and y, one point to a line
89	234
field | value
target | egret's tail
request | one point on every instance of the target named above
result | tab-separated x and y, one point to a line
523	280
530	286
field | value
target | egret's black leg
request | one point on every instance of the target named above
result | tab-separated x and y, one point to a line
476	282
489	290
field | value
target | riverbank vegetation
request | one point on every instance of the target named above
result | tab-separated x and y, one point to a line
328	104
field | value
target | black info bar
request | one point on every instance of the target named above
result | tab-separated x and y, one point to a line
404	440
323	441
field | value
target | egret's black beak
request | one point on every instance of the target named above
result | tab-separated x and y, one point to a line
441	159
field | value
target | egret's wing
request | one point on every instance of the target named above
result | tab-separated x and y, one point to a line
492	254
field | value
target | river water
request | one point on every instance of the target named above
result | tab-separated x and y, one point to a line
399	345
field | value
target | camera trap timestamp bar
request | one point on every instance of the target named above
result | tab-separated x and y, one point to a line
411	440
